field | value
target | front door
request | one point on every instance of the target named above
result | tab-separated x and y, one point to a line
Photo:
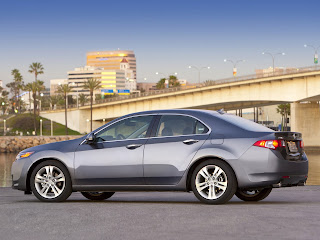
115	158
168	153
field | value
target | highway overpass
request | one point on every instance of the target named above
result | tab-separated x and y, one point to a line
301	88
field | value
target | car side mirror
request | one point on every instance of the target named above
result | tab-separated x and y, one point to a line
90	139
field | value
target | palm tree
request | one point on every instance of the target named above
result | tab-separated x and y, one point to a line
64	89
28	88
16	86
41	87
92	84
82	99
36	68
284	110
54	100
34	89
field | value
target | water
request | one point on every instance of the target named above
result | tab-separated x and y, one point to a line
6	160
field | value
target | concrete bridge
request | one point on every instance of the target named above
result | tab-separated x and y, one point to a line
301	88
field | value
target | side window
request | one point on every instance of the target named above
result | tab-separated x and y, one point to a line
130	128
177	125
200	128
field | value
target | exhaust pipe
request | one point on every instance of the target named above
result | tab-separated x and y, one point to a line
277	185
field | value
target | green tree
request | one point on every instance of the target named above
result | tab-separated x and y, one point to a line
64	89
82	99
284	110
161	84
4	100
92	85
173	81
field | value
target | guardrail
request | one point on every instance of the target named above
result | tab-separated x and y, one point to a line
206	84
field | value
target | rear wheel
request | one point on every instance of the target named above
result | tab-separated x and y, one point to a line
97	196
253	195
50	182
213	182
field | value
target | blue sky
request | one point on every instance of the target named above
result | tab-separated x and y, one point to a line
166	36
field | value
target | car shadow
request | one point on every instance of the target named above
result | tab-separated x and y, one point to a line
169	201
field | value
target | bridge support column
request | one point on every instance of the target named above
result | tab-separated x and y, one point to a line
305	118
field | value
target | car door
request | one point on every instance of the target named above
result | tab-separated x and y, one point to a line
171	147
115	157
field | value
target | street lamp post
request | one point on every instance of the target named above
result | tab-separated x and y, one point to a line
234	65
315	60
40	127
199	71
4	127
41	95
273	56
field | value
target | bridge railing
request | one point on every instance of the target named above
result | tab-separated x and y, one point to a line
278	72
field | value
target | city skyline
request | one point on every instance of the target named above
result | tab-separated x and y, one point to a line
166	37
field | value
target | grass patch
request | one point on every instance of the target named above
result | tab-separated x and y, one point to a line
24	123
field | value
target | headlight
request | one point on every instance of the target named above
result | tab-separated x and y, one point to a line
23	155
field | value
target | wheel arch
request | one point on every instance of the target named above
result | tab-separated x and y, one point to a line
36	163
199	161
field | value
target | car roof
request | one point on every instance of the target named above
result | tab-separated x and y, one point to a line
178	111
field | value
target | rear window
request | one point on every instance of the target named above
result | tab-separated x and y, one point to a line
244	123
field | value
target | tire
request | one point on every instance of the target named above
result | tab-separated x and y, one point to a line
50	182
211	189
97	196
257	195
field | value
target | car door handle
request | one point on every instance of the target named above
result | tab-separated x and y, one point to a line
133	146
190	141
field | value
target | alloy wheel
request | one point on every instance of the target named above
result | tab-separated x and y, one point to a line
49	182
211	182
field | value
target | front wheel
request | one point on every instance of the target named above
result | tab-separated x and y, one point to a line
97	196
50	181
213	182
253	195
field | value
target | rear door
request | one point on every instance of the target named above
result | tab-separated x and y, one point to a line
173	143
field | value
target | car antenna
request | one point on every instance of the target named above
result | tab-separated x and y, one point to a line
221	111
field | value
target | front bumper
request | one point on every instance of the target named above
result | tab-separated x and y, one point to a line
18	174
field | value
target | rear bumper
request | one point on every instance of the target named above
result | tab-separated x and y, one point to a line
260	167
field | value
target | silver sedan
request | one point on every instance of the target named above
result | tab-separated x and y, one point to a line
213	154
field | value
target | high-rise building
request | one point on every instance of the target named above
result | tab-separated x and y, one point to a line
110	60
119	81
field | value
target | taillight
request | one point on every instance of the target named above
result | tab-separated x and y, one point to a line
301	144
271	144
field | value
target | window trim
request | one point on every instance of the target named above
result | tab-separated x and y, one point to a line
155	128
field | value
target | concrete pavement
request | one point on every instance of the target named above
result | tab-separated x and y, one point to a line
288	213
